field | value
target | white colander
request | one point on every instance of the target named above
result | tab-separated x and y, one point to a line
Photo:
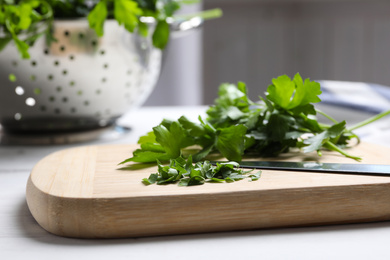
80	82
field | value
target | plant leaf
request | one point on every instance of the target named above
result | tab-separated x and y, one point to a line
281	91
277	127
305	93
172	139
97	17
317	141
126	12
161	34
230	142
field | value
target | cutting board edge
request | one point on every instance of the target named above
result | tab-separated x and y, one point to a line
57	214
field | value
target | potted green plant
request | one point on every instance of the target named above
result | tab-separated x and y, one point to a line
69	65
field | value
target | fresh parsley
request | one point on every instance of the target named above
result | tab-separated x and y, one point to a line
236	126
24	21
185	173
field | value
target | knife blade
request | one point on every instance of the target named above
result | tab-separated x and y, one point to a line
340	168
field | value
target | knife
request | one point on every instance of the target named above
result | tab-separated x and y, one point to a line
340	168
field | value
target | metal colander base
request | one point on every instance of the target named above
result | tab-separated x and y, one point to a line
107	133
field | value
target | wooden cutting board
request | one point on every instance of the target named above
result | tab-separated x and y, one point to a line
82	192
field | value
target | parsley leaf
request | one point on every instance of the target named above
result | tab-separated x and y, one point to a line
126	12
317	141
146	156
290	94
161	34
281	91
230	142
4	41
306	92
97	17
172	139
278	126
231	106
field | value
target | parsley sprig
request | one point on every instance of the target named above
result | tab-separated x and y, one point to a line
236	126
185	173
24	21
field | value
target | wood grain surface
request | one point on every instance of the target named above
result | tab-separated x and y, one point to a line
82	192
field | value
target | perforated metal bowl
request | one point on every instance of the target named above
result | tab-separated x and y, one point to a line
80	82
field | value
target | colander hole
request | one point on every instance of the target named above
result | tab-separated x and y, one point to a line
43	108
30	102
33	63
46	51
64	72
33	77
52	98
104	80
18	116
128	84
12	77
57	111
98	91
86	103
56	63
59	89
81	35
71	57
19	90
64	99
66	33
37	91
94	43
73	110
62	48
129	72
72	83
144	45
102	52
50	77
15	63
80	92
105	66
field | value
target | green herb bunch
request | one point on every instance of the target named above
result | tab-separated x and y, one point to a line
185	173
21	21
236	126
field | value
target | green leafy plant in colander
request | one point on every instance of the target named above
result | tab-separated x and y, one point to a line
21	21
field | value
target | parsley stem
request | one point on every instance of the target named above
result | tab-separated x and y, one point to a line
369	120
205	15
327	116
332	146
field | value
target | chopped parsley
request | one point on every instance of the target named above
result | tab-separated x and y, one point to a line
185	173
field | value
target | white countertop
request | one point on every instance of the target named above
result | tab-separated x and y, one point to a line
21	237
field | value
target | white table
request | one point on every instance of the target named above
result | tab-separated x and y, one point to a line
22	238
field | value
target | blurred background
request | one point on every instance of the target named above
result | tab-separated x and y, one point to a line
257	40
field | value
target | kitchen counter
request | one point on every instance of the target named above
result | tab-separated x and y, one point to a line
22	238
